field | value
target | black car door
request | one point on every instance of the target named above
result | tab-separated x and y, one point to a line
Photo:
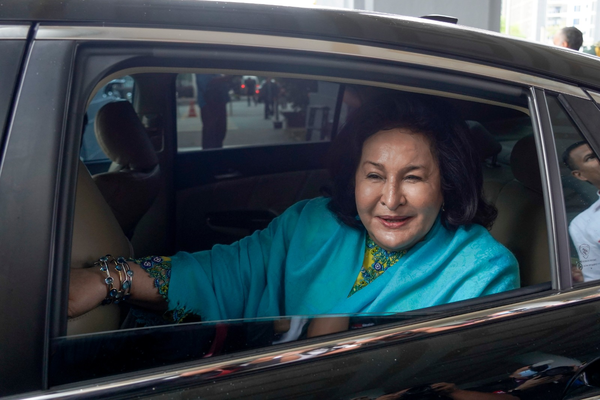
540	333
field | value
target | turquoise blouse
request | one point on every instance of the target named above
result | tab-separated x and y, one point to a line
306	261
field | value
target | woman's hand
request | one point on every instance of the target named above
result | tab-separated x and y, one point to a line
86	290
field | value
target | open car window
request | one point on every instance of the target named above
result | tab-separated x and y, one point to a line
198	199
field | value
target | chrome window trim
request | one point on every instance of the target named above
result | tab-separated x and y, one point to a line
228	71
205	371
594	95
49	32
556	219
358	341
8	32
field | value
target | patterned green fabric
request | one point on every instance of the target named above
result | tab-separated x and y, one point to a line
375	263
159	268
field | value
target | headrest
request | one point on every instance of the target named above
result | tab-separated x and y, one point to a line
122	136
484	142
524	163
95	230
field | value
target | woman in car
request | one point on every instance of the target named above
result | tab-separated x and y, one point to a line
404	227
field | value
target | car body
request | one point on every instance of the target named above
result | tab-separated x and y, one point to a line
59	55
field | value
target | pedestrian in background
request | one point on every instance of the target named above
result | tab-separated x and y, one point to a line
569	37
270	92
250	85
213	96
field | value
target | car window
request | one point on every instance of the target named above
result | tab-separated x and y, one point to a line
216	110
580	172
227	195
512	182
120	89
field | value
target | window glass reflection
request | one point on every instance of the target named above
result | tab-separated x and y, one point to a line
580	173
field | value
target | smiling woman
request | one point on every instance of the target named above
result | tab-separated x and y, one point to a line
402	230
398	190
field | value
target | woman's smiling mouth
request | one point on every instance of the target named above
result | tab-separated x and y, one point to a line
393	222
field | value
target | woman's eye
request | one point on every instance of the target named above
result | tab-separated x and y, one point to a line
413	178
373	176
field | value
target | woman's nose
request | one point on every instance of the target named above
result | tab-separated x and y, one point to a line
392	196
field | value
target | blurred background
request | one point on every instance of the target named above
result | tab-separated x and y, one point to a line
536	20
259	110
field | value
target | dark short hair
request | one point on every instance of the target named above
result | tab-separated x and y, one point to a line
566	156
573	37
451	144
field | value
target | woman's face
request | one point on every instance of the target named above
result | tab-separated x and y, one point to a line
397	188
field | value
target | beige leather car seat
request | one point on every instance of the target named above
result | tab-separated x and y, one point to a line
521	222
96	232
495	174
132	182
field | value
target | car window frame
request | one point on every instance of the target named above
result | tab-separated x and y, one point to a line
553	194
584	113
43	182
13	42
542	117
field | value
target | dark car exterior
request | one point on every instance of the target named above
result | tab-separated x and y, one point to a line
58	54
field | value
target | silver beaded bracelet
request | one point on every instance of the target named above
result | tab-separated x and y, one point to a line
125	278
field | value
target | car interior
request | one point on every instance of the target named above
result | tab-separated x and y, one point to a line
188	199
578	195
151	189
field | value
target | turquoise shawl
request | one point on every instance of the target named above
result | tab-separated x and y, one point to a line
306	261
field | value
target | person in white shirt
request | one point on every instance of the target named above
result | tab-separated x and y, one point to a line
585	228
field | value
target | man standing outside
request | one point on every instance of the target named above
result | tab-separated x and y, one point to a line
585	228
270	93
250	85
213	95
569	37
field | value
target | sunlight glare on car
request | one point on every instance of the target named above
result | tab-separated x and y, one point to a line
294	3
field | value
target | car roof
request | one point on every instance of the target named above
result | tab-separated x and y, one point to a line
353	26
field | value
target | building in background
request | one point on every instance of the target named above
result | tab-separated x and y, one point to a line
536	20
539	20
523	18
483	14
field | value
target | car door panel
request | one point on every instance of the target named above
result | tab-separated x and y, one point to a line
203	167
479	358
481	352
219	196
265	180
28	208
